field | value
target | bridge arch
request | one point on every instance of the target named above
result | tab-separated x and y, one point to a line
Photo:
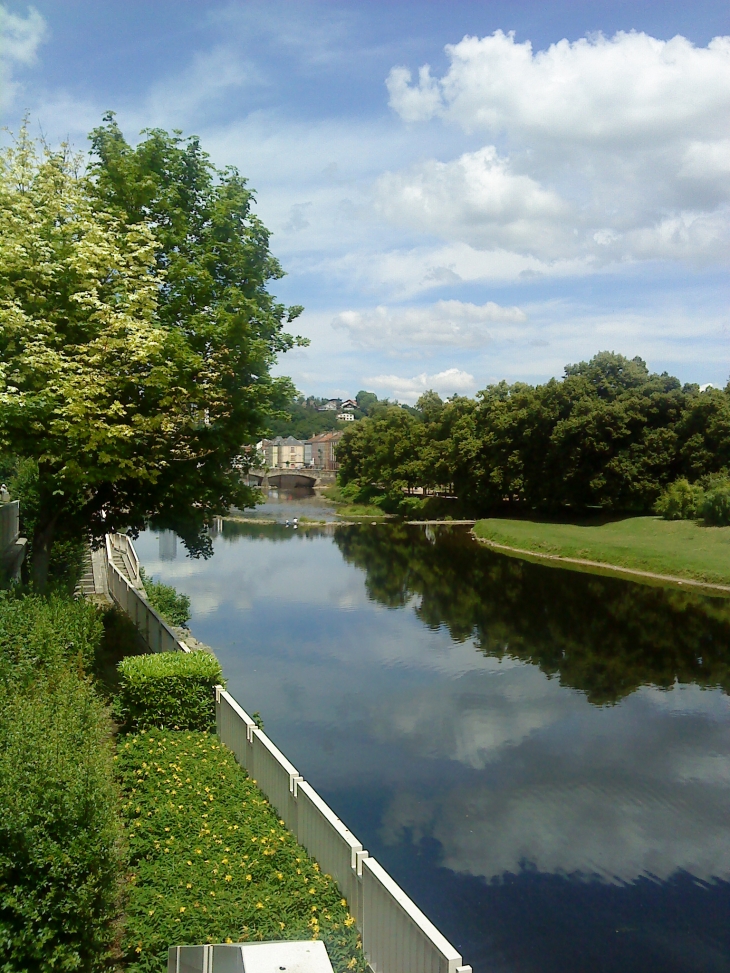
296	478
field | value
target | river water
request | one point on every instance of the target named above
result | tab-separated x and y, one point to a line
541	758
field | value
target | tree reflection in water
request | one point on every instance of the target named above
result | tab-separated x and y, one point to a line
601	635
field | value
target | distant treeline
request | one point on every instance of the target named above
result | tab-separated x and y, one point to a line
609	434
301	417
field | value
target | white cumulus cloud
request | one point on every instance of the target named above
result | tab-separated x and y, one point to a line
612	149
448	382
20	38
455	323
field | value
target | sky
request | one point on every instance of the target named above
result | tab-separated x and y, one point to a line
459	192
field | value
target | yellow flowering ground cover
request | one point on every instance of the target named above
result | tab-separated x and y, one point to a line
210	860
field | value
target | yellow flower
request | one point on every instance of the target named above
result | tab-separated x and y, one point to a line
279	876
248	878
182	908
151	912
259	905
312	891
349	921
188	886
343	901
228	878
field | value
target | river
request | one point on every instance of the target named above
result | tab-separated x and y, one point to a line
539	757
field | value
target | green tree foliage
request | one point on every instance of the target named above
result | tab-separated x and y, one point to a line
609	434
136	334
715	506
366	401
172	605
300	418
515	609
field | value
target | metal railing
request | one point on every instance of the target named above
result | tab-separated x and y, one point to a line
396	936
122	544
9	524
158	635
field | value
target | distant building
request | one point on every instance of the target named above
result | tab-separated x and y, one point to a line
345	417
348	405
324	450
285	453
331	406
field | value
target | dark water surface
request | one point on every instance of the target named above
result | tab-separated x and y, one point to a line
539	757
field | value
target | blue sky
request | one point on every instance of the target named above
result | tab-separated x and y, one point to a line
459	192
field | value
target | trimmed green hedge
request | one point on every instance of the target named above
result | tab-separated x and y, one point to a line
174	690
61	850
211	861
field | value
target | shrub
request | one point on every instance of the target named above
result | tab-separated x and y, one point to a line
211	860
715	507
61	850
681	500
45	634
174	607
168	689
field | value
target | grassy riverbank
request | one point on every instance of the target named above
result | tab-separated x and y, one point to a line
348	510
680	548
210	860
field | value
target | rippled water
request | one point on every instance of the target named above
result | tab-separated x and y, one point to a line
539	757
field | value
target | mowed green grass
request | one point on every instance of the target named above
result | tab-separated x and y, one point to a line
681	548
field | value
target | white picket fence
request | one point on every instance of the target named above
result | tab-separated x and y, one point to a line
397	937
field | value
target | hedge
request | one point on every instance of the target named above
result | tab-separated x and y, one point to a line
168	689
61	852
44	635
211	861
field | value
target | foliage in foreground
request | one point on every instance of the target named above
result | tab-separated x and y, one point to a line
45	635
210	860
172	605
61	852
168	689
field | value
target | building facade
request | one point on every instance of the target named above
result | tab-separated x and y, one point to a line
324	450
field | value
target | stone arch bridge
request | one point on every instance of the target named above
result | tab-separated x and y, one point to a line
285	478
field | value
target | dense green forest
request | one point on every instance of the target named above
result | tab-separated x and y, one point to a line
609	434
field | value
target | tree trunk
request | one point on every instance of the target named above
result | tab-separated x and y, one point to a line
42	544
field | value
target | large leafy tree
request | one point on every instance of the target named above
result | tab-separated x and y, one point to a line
136	335
610	434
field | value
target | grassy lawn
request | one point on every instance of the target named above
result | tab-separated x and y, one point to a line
679	547
211	861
